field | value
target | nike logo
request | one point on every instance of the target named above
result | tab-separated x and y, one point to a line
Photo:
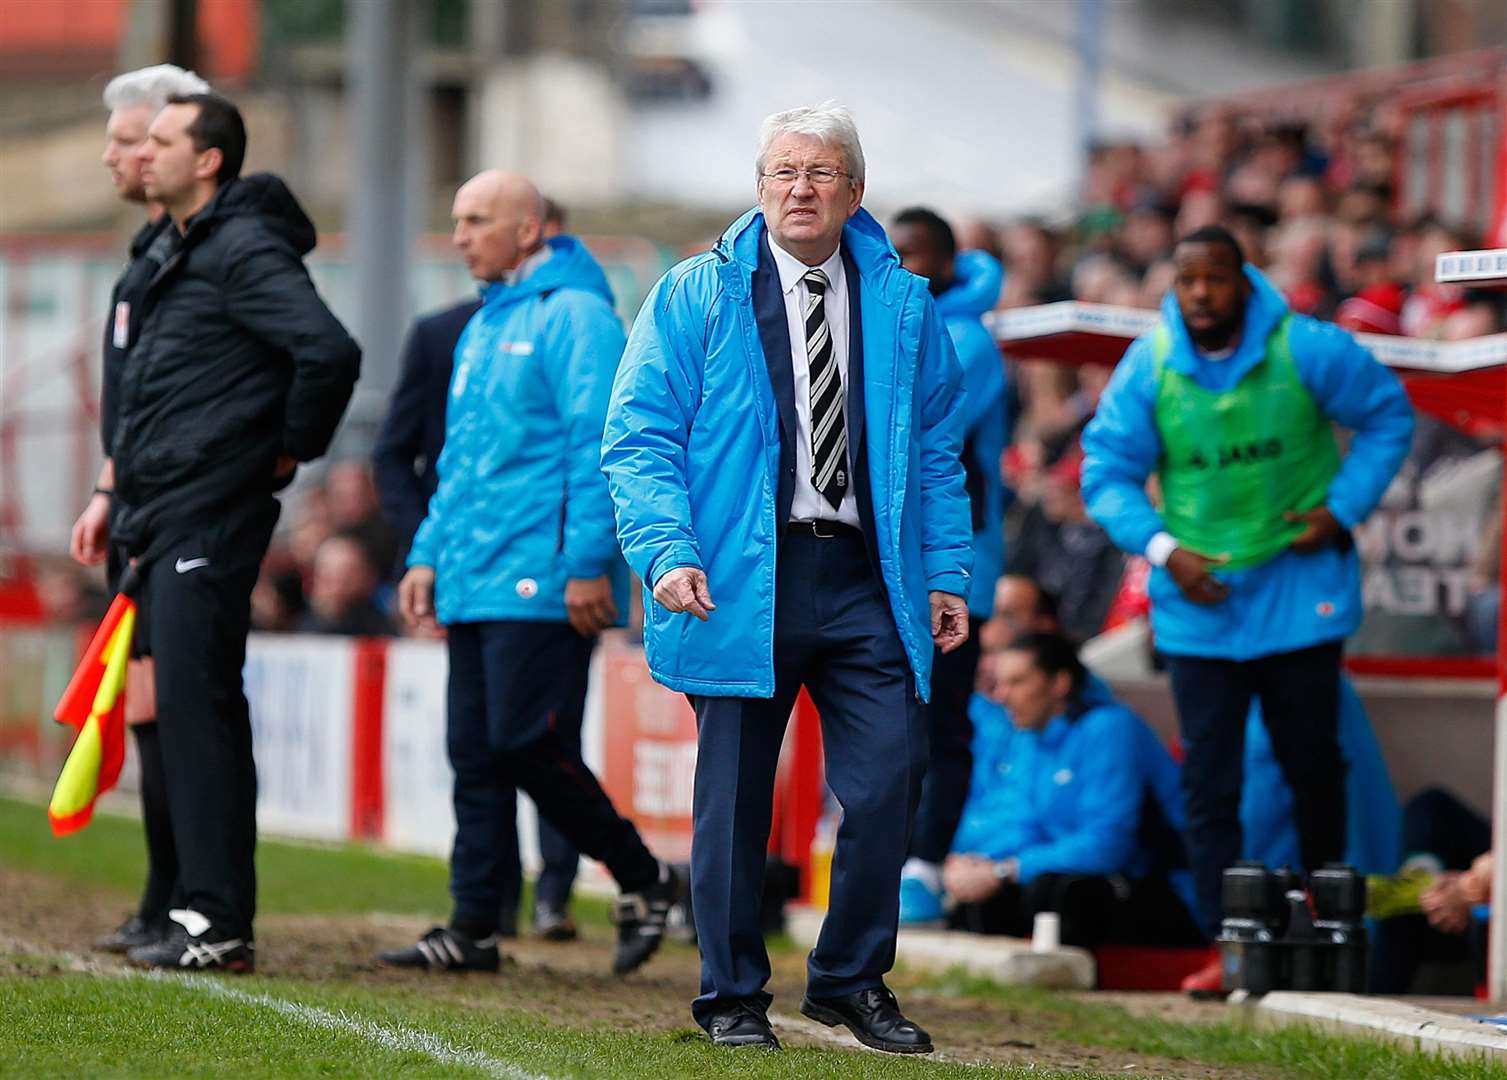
183	566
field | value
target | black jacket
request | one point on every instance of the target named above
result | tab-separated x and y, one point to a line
414	429
149	250
237	362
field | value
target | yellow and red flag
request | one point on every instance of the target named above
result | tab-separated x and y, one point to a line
94	704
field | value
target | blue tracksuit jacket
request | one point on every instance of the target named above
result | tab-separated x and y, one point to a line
978	277
1293	601
1066	799
521	505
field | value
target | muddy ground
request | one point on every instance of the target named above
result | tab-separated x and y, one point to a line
570	983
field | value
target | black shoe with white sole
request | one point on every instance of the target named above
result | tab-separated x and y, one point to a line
193	944
446	949
641	918
874	1018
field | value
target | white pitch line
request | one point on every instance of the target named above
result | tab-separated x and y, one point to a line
405	1040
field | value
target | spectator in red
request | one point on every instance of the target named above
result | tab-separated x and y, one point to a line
1376	307
1297	259
1430	303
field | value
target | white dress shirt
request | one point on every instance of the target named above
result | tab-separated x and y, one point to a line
809	504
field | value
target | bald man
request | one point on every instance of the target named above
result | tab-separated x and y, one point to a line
517	558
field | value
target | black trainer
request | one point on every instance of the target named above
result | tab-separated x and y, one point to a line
640	919
873	1016
742	1023
444	949
192	943
554	924
131	934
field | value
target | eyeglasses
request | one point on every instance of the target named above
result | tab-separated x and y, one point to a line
821	177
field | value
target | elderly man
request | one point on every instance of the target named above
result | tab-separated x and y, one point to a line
517	559
782	449
133	100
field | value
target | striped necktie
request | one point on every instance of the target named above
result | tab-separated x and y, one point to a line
829	435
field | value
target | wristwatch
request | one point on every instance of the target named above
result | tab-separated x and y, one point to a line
1007	869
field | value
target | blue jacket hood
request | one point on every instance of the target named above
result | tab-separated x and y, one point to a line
1263	311
569	266
977	280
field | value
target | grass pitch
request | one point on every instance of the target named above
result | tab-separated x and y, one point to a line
322	1008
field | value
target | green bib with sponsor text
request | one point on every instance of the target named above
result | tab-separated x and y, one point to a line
1234	461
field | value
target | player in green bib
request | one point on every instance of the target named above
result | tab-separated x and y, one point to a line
1231	402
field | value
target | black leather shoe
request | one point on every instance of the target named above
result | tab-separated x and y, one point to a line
742	1024
873	1016
132	934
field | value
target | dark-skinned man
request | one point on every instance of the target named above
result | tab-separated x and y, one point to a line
964	285
1231	402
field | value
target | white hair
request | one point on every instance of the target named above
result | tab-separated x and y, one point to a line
830	122
152	86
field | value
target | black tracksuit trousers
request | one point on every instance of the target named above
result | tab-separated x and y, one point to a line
195	612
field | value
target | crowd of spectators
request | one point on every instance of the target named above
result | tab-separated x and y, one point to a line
1313	207
331	568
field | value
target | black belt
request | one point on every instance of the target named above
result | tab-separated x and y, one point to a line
824	530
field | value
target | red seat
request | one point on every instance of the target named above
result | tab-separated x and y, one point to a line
1145	967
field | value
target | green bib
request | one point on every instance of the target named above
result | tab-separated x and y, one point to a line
1234	462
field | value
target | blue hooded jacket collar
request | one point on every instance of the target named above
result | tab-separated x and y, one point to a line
570	266
863	238
1263	311
977	278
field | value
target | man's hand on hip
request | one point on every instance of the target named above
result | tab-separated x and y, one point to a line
949	620
1322	531
589	605
1191	572
685	589
416	597
91	532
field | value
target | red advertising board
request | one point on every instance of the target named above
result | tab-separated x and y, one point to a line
649	751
